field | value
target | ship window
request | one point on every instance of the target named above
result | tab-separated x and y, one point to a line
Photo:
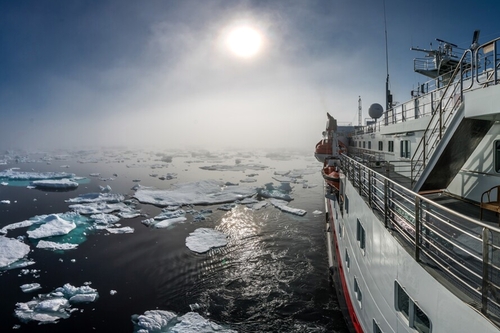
417	319
340	230
376	328
346	204
360	234
347	260
359	144
369	145
405	148
364	144
357	291
391	146
402	301
381	145
497	155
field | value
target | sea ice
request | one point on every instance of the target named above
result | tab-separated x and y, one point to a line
48	245
281	192
14	174
166	321
11	250
53	225
123	230
198	193
203	239
49	308
282	205
6	202
29	287
55	183
97	197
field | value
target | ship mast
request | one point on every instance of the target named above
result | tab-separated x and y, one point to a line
360	113
388	96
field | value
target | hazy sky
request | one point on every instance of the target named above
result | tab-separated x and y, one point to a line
140	73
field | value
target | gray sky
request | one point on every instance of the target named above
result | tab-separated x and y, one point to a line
141	73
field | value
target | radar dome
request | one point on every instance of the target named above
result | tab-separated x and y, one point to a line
376	111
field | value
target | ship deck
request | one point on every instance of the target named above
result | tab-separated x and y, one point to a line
450	236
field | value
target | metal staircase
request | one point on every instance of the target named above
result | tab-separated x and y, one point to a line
444	114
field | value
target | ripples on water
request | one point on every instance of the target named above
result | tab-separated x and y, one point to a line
271	277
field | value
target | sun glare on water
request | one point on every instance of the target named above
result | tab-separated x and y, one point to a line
244	42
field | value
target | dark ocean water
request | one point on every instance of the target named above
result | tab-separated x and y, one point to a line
271	277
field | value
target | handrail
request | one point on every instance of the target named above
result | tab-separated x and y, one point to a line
457	245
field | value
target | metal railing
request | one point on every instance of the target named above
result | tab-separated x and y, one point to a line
448	244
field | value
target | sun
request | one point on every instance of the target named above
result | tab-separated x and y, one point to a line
244	42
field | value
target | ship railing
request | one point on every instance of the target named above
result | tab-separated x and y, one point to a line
458	250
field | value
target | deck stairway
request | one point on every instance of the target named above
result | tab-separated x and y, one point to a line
450	138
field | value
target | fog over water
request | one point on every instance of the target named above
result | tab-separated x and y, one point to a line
162	73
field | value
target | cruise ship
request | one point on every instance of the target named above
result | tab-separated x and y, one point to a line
412	201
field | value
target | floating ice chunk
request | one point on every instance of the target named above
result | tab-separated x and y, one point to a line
55	183
236	167
248	180
6	202
198	193
49	308
11	250
169	222
13	174
112	292
226	207
317	212
95	174
259	205
104	219
105	189
282	205
283	179
4	183
123	230
29	287
54	225
281	192
248	201
97	197
43	244
166	321
167	214
203	239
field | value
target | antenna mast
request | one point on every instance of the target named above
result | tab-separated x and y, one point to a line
360	113
388	96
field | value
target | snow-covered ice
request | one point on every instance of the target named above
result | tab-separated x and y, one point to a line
166	321
6	202
48	245
51	307
97	197
204	192
11	250
29	287
203	239
282	205
280	192
53	225
122	230
14	174
55	183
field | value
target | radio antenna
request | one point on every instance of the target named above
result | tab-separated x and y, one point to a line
388	96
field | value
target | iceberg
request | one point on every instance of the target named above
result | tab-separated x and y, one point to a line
11	250
282	205
203	239
55	183
6	202
53	225
166	321
207	192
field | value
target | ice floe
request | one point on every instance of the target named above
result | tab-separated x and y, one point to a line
282	205
14	174
280	192
48	245
55	183
11	250
203	239
122	230
52	225
166	321
197	193
51	307
6	202
97	197
29	287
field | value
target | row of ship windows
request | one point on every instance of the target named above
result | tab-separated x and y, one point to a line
415	317
404	147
